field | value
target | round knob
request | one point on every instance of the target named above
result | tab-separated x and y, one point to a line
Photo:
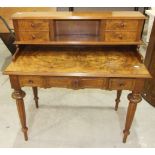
121	84
32	25
120	36
122	24
33	36
30	81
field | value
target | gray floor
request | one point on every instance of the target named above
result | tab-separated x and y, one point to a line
68	118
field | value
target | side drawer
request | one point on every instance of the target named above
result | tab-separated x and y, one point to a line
118	24
121	84
33	25
32	81
93	83
114	36
34	36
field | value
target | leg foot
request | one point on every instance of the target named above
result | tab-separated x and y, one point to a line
35	93
119	92
134	98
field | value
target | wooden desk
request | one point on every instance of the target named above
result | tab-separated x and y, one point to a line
85	64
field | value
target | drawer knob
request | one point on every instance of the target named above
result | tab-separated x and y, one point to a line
32	25
30	81
122	24
33	36
121	84
120	36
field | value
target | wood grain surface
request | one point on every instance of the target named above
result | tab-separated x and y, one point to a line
116	61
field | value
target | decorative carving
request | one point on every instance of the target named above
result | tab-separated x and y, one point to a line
18	94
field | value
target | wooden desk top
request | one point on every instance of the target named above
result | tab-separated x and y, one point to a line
78	61
80	15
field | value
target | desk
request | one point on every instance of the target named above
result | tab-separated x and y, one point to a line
110	68
78	50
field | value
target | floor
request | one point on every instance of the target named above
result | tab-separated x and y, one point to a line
69	118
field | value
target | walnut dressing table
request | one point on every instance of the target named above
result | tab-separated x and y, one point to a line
78	50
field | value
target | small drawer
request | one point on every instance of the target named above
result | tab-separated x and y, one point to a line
114	36
34	36
121	84
93	83
122	25
33	25
33	81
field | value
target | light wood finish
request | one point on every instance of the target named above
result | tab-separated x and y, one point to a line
65	28
78	67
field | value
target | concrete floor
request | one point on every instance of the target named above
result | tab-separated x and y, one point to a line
69	118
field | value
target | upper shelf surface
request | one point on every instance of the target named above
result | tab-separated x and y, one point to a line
80	15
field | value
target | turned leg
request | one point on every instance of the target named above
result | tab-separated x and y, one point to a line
18	95
35	92
134	98
119	92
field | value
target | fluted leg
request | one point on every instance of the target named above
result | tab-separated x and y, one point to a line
18	95
119	92
35	93
134	98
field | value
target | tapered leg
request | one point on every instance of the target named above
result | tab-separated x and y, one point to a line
35	92
119	92
18	95
134	98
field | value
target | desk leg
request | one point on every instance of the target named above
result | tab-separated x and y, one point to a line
134	98
18	95
119	92
35	93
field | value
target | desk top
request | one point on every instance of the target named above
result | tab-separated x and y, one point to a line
78	61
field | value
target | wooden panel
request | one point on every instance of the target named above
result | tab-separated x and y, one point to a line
33	25
77	27
121	84
93	83
34	36
115	36
121	25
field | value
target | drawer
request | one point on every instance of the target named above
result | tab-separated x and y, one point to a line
121	84
34	36
33	25
114	36
31	81
93	83
122	24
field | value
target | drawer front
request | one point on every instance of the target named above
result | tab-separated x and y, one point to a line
93	83
33	81
34	36
122	24
114	36
121	84
33	25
